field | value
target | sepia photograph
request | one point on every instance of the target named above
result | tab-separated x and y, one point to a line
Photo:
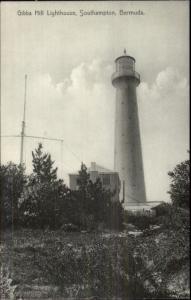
94	150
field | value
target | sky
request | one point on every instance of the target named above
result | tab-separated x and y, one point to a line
69	61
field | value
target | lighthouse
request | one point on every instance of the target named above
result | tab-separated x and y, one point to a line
128	160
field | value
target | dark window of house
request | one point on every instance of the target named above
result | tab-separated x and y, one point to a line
106	179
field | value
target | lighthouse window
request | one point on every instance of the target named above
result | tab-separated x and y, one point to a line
106	180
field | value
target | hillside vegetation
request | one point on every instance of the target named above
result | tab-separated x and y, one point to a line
79	244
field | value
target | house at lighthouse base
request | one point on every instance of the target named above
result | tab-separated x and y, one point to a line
110	179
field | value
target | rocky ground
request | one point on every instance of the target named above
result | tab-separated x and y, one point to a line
111	265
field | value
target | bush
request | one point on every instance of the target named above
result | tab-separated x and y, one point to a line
13	180
180	186
162	209
139	220
42	204
69	227
43	201
102	269
174	218
6	287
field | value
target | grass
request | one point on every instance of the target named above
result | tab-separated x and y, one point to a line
20	248
50	264
37	257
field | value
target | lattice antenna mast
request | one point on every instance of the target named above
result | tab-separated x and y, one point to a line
23	123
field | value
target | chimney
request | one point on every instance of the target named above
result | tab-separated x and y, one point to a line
93	166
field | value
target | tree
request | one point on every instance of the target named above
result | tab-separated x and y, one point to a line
180	186
95	205
43	166
82	204
13	180
83	178
44	195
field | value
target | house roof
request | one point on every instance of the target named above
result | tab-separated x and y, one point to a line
98	168
95	167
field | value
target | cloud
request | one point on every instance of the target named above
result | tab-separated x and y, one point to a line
168	82
89	109
164	118
165	103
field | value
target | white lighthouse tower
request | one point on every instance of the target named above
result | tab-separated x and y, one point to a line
128	160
